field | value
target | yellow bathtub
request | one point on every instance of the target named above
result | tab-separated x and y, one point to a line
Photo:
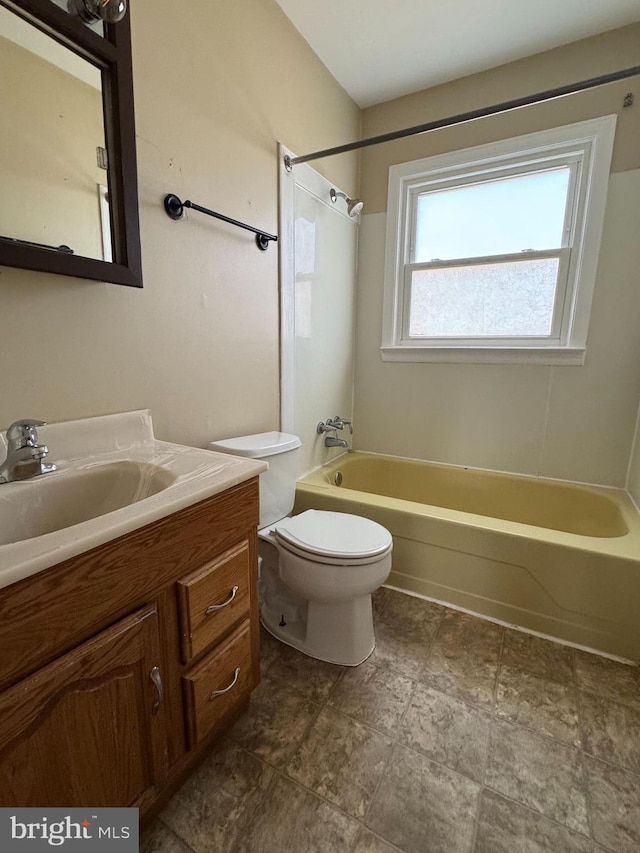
555	557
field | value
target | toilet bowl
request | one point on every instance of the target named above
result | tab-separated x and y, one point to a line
331	563
318	569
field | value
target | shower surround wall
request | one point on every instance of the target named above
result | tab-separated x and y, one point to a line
318	257
567	422
633	480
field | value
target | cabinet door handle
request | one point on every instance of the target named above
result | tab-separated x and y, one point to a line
213	608
226	689
156	678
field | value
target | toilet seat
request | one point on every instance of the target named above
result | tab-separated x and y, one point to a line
333	537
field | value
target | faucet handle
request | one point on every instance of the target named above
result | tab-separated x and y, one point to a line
341	423
23	432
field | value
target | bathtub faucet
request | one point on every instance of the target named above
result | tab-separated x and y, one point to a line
334	441
335	423
331	426
341	423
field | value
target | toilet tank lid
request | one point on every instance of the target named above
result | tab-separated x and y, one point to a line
257	446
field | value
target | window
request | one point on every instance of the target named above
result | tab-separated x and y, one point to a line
492	251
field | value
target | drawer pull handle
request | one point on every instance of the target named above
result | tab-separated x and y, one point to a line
156	678
213	608
226	689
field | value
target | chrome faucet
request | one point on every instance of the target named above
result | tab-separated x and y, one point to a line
341	423
331	426
334	441
24	454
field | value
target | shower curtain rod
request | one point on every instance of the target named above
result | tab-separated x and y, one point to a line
505	106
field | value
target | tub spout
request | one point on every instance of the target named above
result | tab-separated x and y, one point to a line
334	441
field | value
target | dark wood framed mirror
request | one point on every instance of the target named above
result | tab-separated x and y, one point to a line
105	49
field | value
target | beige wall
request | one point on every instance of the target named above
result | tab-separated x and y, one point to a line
51	125
216	87
567	421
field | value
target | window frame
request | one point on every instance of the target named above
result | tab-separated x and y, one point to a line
584	147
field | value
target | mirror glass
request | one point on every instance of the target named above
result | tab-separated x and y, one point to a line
54	189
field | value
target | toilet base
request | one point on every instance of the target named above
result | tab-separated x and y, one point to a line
339	632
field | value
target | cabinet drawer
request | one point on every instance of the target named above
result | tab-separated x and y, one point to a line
220	681
213	598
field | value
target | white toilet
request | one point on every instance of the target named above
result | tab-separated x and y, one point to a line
318	568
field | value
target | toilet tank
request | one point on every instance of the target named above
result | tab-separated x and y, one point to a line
278	484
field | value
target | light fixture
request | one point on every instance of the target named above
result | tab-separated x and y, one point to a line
110	11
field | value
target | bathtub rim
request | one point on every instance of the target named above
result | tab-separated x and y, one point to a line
626	546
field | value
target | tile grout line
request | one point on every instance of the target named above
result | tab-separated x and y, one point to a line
378	784
395	743
396	739
565	743
437	631
277	771
542	814
585	776
321	702
403	716
493	717
476	822
384	840
537	813
564	826
498	669
175	834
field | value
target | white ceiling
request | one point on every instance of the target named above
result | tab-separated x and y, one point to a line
381	49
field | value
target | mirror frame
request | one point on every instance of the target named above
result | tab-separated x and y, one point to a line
112	55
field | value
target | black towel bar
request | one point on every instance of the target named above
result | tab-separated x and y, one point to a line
175	209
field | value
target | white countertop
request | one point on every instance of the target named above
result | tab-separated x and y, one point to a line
76	447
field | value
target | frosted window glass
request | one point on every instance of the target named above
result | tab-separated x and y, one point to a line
484	300
492	218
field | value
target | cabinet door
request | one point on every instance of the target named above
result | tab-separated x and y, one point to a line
88	729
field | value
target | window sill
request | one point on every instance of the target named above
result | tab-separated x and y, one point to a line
486	355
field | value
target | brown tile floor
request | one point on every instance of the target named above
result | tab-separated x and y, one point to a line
457	735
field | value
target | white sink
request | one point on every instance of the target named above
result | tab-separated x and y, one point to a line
113	476
61	499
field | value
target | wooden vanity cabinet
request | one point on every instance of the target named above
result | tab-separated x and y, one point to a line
114	678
